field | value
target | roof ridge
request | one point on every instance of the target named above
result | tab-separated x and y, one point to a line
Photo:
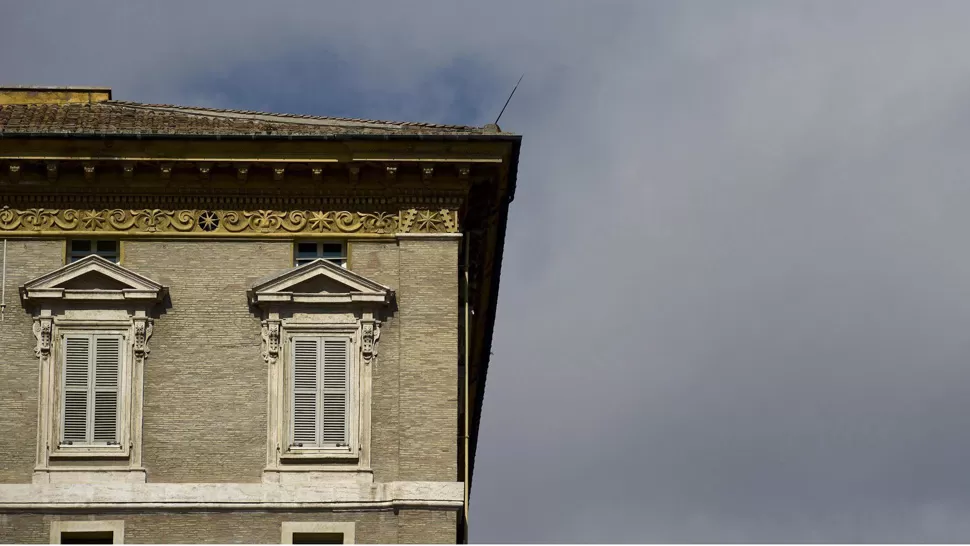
280	117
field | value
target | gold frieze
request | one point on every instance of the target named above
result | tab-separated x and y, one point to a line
33	221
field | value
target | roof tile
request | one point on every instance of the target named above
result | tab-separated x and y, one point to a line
124	118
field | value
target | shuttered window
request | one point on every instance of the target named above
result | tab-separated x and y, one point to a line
320	392
92	370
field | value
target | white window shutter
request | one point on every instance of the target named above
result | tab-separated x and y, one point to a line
77	368
336	364
107	369
305	391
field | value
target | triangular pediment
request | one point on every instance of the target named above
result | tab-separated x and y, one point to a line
319	281
92	278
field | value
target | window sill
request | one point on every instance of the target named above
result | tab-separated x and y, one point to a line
307	475
311	454
89	452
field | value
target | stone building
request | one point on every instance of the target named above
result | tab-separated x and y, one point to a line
220	326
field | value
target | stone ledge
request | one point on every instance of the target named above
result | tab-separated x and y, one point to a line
89	476
239	496
429	236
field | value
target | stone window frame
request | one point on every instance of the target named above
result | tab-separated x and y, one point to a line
115	527
345	528
354	311
121	309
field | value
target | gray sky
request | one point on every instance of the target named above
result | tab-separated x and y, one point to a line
736	292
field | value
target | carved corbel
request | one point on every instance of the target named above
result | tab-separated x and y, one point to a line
42	333
52	171
427	172
143	332
370	335
271	340
14	169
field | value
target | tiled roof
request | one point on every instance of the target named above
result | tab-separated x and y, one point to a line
129	118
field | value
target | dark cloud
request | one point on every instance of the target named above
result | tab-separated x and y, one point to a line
735	297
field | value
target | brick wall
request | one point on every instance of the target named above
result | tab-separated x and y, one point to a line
19	368
429	359
205	381
415	399
380	262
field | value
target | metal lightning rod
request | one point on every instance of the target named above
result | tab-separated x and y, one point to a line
510	98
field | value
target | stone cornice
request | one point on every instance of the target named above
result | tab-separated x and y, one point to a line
237	496
136	287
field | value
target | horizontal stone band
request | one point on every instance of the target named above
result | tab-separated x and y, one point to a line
241	496
225	222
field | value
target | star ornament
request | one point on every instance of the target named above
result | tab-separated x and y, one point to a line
208	221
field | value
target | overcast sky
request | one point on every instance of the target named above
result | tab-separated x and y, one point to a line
735	302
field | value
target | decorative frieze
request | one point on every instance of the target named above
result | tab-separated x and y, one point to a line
428	221
227	222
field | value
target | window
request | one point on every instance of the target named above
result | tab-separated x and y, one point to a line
106	248
321	325
318	538
92	324
91	374
307	251
91	537
319	393
90	370
318	532
88	532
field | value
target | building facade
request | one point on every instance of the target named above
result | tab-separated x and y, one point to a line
238	327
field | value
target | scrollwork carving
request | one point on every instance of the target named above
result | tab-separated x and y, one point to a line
271	340
369	336
227	222
42	333
143	332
